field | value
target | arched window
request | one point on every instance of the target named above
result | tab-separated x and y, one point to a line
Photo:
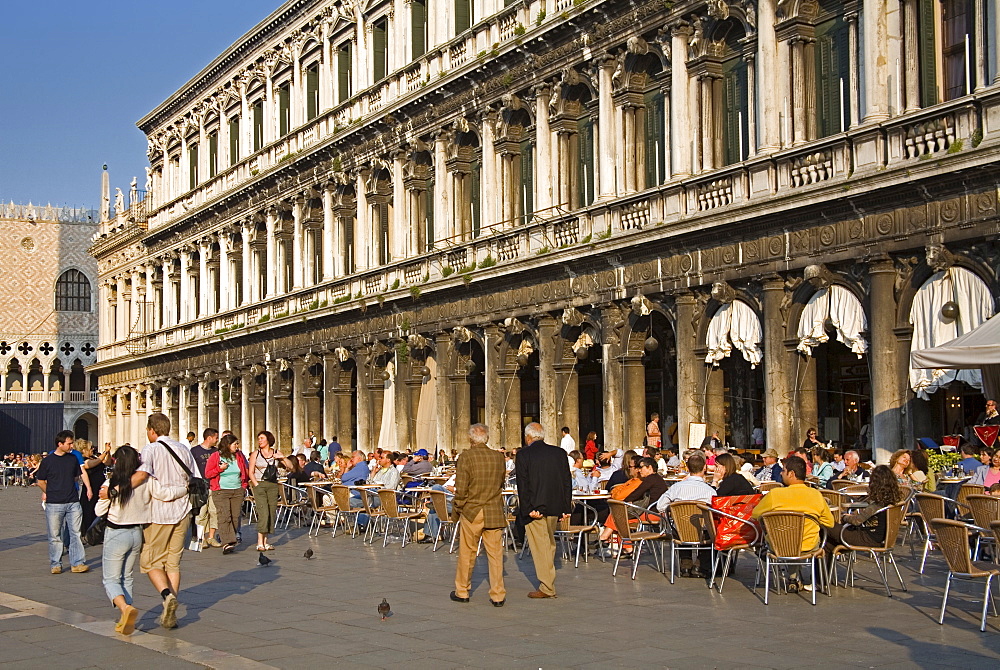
73	292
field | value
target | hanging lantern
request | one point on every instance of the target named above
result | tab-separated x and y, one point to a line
470	367
425	371
949	310
582	353
522	359
385	375
651	344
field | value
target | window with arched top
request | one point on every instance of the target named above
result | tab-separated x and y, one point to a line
73	292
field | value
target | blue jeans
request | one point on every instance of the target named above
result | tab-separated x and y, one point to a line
57	516
121	553
433	522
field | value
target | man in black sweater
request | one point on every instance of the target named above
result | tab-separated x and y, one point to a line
545	495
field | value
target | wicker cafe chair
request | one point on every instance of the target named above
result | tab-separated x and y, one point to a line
882	555
763	487
449	522
836	501
566	531
319	509
985	511
623	513
291	501
964	491
373	511
837	484
732	553
931	506
342	505
953	539
690	528
392	513
783	533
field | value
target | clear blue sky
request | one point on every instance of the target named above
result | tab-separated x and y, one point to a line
76	75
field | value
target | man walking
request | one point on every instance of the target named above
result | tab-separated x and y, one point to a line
58	477
545	494
165	459
207	517
479	478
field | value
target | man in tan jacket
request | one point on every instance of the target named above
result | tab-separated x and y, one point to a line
479	477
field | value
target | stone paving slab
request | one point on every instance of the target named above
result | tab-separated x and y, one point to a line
303	613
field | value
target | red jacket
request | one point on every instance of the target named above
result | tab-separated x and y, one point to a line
212	470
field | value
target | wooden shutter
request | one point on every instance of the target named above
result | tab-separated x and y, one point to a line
474	196
234	140
527	179
283	111
193	166
656	157
586	144
258	125
344	72
312	92
213	154
927	53
379	49
429	237
418	28
463	16
833	63
735	108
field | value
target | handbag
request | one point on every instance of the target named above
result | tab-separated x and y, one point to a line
198	490
729	532
94	535
270	473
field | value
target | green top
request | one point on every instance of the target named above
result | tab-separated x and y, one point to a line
230	478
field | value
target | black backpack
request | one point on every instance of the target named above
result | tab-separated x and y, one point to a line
198	490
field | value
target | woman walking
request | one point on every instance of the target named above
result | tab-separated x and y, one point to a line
128	509
228	474
264	477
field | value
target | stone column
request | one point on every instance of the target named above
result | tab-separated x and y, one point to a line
271	265
544	175
331	415
488	206
799	79
225	299
203	413
568	388
401	405
511	430
183	390
247	433
492	339
205	286
298	241
768	76
886	399
806	405
272	410
777	407
442	203
607	130
611	384
362	230
690	370
329	233
877	72
365	428
715	398
548	397
444	353
911	56
708	122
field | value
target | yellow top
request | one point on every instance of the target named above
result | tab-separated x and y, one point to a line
798	498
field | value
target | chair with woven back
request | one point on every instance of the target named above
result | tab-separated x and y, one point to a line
291	501
732	551
783	534
966	490
373	511
882	555
767	486
439	503
836	501
393	513
566	531
344	512
985	510
623	514
837	484
953	539
931	506
319	509
691	528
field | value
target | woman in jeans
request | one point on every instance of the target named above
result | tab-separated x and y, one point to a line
265	489
128	510
228	474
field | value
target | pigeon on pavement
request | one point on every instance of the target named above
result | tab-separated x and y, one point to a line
264	560
383	608
308	554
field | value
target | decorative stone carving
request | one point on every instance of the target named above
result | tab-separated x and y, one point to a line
818	276
461	335
640	305
723	292
938	257
571	316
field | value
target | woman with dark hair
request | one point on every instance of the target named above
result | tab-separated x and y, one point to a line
729	481
228	474
264	476
922	475
822	467
128	510
812	440
590	447
297	475
94	464
867	527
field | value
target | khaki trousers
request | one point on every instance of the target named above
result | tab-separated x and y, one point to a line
541	535
208	517
468	544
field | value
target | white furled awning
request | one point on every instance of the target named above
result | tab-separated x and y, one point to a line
845	313
426	437
387	440
734	324
931	329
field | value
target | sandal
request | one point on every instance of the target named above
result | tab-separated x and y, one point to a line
229	548
268	547
261	547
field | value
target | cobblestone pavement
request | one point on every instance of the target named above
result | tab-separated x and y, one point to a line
299	613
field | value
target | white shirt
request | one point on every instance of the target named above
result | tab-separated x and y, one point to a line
163	467
693	487
567	443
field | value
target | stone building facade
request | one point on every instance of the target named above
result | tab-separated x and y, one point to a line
49	338
384	219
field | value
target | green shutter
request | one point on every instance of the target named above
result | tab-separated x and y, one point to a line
527	179
832	67
344	71
379	42
475	186
213	155
258	125
234	140
586	152
312	92
656	155
193	165
735	123
463	16
429	197
284	109
418	28
927	53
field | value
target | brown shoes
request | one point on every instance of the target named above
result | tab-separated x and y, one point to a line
83	567
539	594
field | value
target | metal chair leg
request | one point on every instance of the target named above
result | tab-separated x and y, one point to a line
986	602
892	559
944	600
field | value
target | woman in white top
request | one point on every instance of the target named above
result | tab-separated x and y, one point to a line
128	510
